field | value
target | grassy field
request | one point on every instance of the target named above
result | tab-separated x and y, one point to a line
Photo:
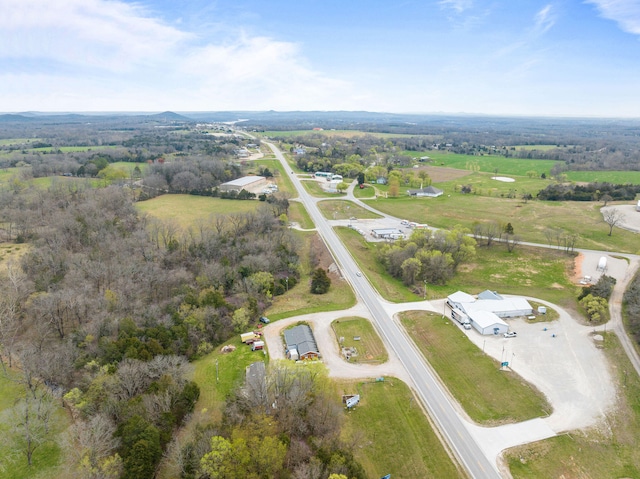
280	175
608	451
500	397
616	177
314	189
486	163
366	192
217	382
392	435
343	210
299	300
369	345
299	214
47	458
187	210
530	220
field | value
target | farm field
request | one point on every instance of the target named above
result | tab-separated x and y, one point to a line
486	163
187	210
459	363
616	177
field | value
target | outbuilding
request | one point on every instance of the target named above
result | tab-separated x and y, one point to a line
249	183
485	322
300	343
429	191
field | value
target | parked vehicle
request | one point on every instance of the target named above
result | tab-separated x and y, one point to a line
510	334
265	320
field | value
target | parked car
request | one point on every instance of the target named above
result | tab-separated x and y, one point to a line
510	334
265	320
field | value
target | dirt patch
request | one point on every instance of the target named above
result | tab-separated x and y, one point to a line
576	275
321	258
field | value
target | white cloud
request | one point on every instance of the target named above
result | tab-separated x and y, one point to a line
110	55
457	5
626	13
544	19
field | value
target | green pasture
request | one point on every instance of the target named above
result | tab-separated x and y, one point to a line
187	210
486	163
615	177
299	300
609	450
343	210
530	220
459	363
369	346
392	435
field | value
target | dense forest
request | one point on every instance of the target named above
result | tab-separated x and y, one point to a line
106	306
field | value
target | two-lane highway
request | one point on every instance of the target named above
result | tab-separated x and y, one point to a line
426	385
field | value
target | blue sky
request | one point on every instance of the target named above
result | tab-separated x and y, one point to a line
496	57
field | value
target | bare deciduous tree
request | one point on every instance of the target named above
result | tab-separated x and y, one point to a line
613	217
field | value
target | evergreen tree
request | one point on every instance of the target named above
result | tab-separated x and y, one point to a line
320	282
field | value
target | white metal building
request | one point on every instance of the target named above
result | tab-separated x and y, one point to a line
485	322
248	183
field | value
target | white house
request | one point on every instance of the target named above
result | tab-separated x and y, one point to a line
485	322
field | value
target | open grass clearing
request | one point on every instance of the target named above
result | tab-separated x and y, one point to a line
299	214
47	458
368	344
218	373
609	450
187	210
488	395
280	176
615	177
530	220
299	300
392	435
368	191
344	210
314	189
486	163
366	256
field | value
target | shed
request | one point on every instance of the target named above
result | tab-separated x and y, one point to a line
300	338
485	322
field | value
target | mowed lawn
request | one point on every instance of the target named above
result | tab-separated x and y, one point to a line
392	435
344	209
360	334
187	210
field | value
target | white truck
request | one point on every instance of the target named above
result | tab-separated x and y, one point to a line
462	318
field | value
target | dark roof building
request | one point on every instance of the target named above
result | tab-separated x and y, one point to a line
300	343
430	191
